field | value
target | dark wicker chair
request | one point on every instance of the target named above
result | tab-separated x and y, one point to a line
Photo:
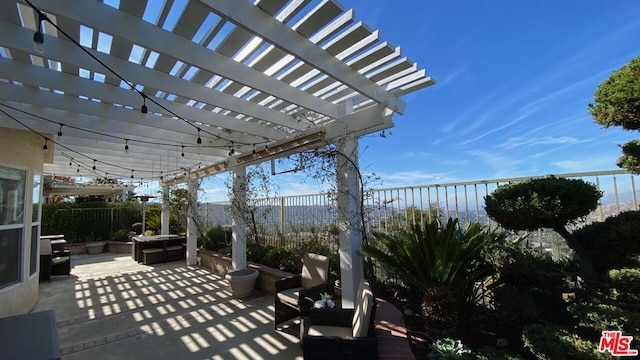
54	260
342	333
295	295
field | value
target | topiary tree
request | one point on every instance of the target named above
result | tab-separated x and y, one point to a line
617	103
612	243
548	202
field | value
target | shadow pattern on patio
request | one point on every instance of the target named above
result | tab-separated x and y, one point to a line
162	312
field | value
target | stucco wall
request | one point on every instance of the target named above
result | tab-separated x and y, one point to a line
23	149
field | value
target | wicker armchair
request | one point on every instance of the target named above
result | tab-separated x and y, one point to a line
342	334
295	294
54	260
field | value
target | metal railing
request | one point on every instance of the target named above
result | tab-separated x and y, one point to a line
388	209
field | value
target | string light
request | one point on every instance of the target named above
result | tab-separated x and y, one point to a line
182	151
39	39
199	141
126	146
38	36
144	109
78	170
60	131
45	147
132	173
231	149
94	164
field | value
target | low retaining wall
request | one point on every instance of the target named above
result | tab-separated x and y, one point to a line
221	265
120	247
77	248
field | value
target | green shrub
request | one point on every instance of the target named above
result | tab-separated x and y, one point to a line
489	353
121	235
449	349
612	243
257	252
601	317
137	227
216	238
283	259
529	285
149	233
627	279
547	343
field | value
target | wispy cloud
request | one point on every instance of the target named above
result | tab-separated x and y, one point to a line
501	164
406	178
522	141
417	154
593	163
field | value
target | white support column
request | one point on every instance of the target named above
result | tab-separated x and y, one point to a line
349	215
192	230
238	223
164	215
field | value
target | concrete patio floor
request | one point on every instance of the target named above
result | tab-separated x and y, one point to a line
113	308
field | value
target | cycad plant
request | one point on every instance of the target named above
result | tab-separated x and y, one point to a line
443	264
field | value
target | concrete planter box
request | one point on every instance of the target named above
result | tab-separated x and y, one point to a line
119	247
221	265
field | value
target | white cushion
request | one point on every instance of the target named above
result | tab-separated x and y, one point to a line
59	260
45	246
362	312
315	270
290	296
323	330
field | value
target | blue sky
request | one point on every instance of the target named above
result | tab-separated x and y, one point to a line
513	82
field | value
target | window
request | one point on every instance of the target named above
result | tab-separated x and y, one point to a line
12	209
35	224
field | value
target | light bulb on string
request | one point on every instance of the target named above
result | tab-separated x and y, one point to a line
132	173
126	146
144	110
199	141
45	148
182	151
60	131
94	164
38	36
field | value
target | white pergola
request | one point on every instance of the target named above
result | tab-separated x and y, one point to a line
225	84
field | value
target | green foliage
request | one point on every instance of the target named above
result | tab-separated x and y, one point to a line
529	286
617	103
121	235
542	203
81	224
283	259
613	242
626	279
441	263
547	343
617	99
216	238
601	317
630	159
149	233
449	349
489	353
257	252
137	227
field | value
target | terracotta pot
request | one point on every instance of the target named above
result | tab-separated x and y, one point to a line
242	282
